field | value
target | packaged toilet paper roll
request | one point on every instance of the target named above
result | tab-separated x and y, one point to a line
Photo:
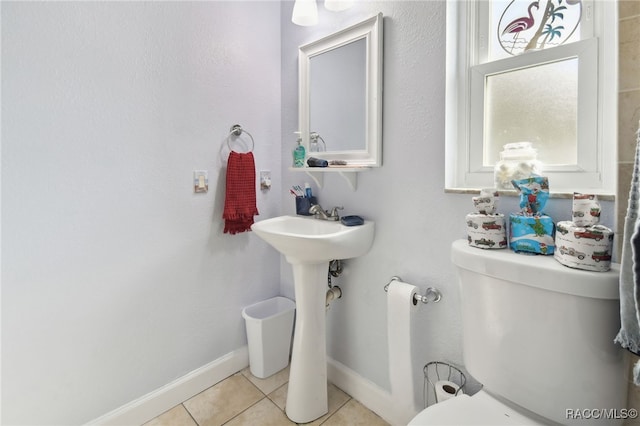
486	231
586	209
531	234
487	202
587	248
446	390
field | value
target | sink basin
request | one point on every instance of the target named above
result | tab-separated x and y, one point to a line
310	240
308	245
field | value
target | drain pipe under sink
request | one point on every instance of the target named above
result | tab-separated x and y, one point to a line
332	294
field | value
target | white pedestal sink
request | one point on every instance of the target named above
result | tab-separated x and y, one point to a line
308	245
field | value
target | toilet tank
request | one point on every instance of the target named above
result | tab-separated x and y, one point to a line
540	334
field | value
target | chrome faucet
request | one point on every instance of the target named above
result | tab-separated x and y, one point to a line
319	213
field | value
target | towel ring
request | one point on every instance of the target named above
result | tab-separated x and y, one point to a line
237	130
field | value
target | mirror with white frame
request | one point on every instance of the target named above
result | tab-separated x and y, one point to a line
340	95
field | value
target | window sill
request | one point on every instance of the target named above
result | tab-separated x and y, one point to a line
566	195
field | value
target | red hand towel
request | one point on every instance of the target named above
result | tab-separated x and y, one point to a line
240	199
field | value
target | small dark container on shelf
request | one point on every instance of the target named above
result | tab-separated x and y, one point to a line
317	162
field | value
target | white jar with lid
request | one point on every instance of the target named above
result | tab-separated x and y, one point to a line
518	160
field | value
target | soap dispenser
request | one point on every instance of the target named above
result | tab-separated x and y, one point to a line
299	154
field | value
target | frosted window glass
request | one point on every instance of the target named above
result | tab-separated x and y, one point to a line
536	104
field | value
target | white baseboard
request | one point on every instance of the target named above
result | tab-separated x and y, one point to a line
368	393
157	402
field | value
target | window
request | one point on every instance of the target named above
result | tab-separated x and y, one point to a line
542	71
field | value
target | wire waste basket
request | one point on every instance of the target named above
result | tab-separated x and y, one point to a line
441	382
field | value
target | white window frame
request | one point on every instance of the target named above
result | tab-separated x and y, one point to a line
597	97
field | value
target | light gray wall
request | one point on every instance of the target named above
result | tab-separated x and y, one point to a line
117	278
416	221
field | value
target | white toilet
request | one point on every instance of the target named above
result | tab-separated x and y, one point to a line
539	337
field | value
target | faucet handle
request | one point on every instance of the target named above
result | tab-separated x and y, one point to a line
315	208
334	211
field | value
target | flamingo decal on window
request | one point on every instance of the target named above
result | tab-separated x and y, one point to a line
521	24
547	23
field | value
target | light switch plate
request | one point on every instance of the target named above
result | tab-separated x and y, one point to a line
265	179
200	181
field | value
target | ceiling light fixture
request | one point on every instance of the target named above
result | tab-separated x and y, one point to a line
305	13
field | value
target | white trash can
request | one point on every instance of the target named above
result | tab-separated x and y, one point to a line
269	329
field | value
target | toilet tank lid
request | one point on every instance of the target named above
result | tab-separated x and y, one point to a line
537	271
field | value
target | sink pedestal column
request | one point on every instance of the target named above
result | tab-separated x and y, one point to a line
307	393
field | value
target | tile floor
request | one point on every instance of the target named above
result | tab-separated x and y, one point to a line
243	399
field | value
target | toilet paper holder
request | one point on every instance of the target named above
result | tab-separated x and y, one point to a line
436	371
432	294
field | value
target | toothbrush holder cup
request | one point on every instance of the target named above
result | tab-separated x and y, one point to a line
303	204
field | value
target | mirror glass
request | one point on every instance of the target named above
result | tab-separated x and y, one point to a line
337	109
341	95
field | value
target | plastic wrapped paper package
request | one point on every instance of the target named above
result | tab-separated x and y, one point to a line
486	231
485	228
587	248
487	202
530	230
586	209
531	234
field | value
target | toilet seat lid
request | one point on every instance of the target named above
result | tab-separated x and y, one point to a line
479	409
